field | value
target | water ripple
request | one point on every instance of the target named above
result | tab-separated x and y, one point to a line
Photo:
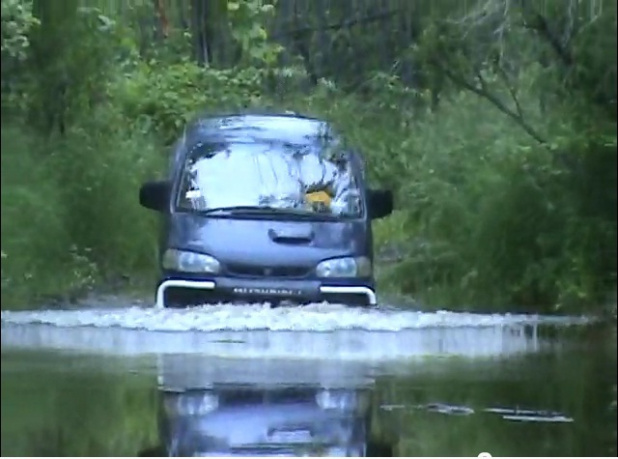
319	331
314	318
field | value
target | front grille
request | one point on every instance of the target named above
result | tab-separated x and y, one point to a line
180	297
262	271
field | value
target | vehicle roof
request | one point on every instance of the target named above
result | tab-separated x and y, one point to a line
279	127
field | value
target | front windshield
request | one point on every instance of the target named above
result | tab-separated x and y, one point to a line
268	176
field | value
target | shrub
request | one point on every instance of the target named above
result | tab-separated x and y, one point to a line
70	211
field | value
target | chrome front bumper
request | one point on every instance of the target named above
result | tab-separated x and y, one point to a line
368	292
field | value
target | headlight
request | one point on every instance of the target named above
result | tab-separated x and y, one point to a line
345	267
189	262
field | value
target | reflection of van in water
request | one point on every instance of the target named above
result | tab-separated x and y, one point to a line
247	421
265	208
232	407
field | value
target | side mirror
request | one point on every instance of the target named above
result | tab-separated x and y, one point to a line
155	195
380	203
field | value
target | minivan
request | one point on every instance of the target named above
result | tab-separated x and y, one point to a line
265	208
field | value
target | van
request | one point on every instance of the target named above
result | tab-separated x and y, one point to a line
265	208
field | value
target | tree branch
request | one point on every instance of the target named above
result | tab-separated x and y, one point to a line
345	24
540	24
484	92
511	89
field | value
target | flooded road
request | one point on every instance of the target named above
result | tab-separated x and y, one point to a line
315	380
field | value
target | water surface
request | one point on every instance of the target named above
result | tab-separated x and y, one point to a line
227	380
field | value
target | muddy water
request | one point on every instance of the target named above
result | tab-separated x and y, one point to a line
316	380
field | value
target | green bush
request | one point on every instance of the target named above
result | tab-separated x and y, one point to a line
487	217
70	211
37	257
165	97
103	166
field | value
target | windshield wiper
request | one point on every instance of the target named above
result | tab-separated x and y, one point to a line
258	210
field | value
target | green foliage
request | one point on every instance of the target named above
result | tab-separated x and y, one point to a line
498	140
17	24
17	21
105	164
70	215
165	100
488	217
74	61
34	239
248	18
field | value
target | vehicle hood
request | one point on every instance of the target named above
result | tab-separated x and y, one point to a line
262	241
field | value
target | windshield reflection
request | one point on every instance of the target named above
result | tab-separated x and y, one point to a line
203	415
268	175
